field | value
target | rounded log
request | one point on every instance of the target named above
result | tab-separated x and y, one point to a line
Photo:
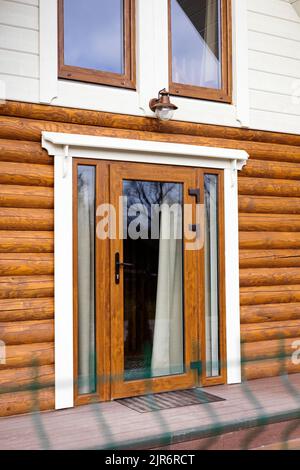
269	187
261	295
270	169
31	129
269	258
28	355
26	402
268	368
277	153
17	151
26	242
270	330
26	174
269	240
26	309
269	276
21	287
26	219
269	205
269	223
27	378
95	118
269	312
13	333
26	197
26	264
277	349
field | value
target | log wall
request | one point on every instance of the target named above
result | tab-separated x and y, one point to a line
26	277
269	205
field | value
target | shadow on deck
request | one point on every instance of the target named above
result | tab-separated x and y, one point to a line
254	414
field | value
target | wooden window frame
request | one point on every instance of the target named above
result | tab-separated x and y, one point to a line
102	289
126	80
224	94
206	381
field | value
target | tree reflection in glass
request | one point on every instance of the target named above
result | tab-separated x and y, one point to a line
153	279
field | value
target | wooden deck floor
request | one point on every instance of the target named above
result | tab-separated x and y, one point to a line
260	412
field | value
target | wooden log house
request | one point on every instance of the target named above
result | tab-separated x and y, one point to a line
66	116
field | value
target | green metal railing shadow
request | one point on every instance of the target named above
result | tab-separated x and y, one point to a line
164	435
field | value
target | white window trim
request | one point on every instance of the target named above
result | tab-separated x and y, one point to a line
152	73
66	146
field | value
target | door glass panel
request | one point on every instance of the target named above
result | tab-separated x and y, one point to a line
196	45
86	280
93	34
212	276
153	279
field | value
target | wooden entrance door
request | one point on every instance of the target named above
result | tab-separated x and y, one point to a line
149	313
154	315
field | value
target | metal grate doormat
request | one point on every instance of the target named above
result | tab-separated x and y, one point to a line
168	400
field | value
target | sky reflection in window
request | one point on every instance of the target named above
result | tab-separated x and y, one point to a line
93	34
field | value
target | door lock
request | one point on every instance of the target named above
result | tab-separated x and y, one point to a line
118	266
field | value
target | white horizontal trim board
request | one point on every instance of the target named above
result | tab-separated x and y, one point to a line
273	83
18	39
55	144
275	8
19	63
28	2
16	87
66	146
283	47
274	66
278	104
284	66
272	121
19	14
274	26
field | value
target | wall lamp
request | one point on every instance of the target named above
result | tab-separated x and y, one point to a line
162	106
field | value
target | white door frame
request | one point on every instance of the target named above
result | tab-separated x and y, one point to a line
64	147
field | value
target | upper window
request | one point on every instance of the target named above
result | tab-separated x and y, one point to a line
200	49
96	41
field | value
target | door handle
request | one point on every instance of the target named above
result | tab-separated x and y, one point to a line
195	193
118	266
196	365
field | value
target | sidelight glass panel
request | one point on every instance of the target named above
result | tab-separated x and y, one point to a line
153	279
196	42
93	34
86	280
212	277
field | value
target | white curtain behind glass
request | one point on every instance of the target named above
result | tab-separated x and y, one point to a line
211	276
86	295
167	353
